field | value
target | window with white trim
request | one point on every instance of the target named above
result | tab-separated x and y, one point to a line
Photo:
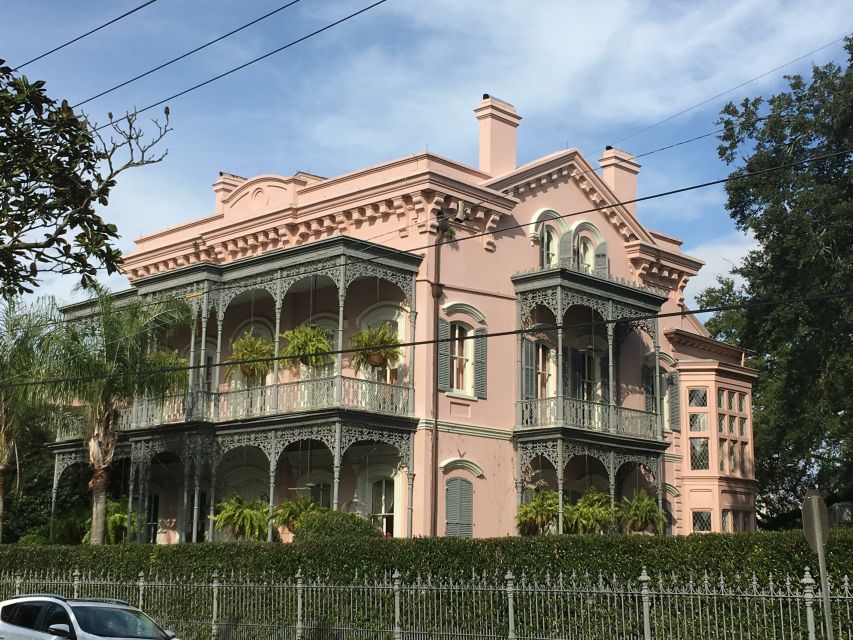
461	358
382	505
392	315
549	243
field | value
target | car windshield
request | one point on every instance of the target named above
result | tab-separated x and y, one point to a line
117	622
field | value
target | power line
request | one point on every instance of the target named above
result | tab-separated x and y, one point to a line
187	54
735	88
537	328
730	178
253	61
88	33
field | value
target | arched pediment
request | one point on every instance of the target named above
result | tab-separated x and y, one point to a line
452	464
541	216
466	309
260	194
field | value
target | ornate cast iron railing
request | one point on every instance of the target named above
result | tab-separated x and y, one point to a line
601	274
377	397
592	416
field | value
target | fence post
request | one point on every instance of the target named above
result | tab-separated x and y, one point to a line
19	584
299	587
646	597
141	583
808	596
510	601
398	631
214	612
75	584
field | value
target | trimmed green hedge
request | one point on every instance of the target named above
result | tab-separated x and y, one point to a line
624	556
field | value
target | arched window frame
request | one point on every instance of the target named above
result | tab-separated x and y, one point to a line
473	382
549	257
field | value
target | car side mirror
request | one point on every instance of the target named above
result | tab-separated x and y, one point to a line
61	630
170	633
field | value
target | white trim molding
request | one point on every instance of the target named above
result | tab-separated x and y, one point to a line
452	464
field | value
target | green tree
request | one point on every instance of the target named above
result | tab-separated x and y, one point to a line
106	358
802	218
23	332
55	169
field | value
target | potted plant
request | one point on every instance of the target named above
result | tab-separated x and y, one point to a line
591	514
247	519
642	513
376	346
309	345
252	355
289	512
540	514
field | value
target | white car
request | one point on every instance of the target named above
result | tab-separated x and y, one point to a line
49	617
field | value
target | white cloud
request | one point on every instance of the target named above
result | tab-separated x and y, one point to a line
720	256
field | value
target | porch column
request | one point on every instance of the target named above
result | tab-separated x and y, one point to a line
202	360
339	344
273	470
412	316
196	490
211	509
142	514
658	398
410	478
611	475
217	373
336	470
659	478
611	378
131	514
276	351
560	474
186	503
191	374
53	496
519	378
561	406
519	485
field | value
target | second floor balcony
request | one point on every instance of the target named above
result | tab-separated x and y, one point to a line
589	416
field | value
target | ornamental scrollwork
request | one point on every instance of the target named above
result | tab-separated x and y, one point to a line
642	321
650	462
529	300
233	288
571	298
399	440
601	454
291	275
529	450
63	461
362	268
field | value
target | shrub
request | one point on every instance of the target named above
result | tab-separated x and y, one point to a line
540	514
337	526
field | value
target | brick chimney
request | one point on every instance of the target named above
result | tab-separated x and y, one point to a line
620	171
498	121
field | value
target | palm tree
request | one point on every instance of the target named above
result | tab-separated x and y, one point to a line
247	519
22	334
104	360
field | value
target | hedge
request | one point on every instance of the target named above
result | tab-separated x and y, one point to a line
764	553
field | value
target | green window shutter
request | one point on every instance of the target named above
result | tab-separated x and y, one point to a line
443	355
528	367
452	500
466	508
601	257
565	249
480	363
674	401
605	379
649	387
459	508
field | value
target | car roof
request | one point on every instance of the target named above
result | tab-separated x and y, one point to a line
93	602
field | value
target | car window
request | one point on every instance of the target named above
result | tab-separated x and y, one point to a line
55	614
28	614
117	622
7	613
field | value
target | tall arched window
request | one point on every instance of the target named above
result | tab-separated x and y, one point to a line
459	508
586	254
382	504
549	257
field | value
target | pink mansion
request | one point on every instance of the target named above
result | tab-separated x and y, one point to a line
527	298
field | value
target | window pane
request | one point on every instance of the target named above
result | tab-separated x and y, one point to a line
732	421
741	402
743	458
701	521
742	427
699	454
732	457
721	454
731	400
697	397
727	521
698	421
721	395
721	423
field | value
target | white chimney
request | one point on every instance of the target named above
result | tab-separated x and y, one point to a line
620	171
498	121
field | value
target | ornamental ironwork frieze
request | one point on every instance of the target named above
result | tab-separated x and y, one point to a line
399	440
571	298
364	268
529	300
530	450
63	461
650	462
602	454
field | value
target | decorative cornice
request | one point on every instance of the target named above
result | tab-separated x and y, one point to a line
680	337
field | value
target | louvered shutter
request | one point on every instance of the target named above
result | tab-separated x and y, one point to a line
466	508
480	363
528	368
605	379
452	502
601	257
577	374
565	254
443	355
649	387
674	401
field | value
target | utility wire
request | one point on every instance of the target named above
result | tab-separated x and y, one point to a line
742	176
187	54
727	91
253	61
537	328
88	33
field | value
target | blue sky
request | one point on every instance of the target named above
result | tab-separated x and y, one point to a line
406	75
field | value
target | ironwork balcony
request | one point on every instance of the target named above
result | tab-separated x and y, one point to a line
590	416
600	274
239	404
